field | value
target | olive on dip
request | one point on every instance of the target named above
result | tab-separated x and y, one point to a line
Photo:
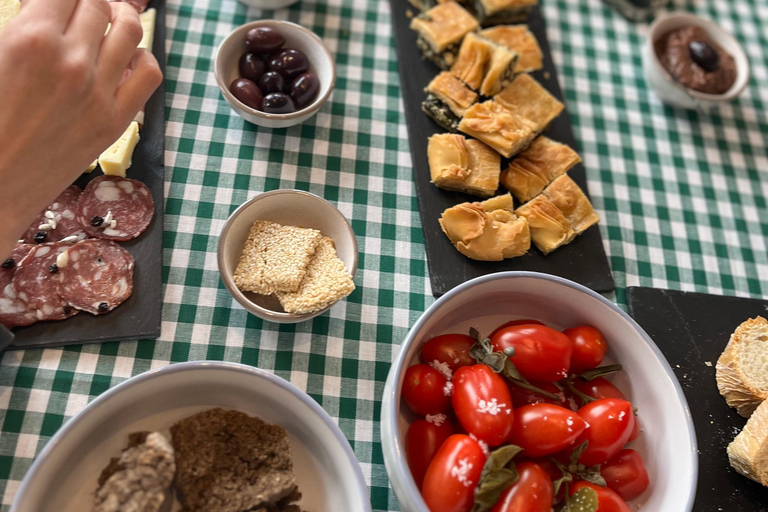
273	78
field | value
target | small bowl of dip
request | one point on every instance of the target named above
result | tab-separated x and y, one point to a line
693	63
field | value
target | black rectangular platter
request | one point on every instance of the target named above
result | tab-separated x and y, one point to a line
583	260
692	329
140	316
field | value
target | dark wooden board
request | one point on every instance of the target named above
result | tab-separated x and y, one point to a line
140	316
692	329
583	260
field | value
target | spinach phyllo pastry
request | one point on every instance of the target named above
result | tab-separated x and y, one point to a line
496	12
536	167
463	165
520	40
483	65
441	30
503	130
423	5
447	100
526	97
487	231
566	195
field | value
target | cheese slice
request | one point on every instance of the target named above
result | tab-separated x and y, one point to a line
92	166
148	18
8	9
117	158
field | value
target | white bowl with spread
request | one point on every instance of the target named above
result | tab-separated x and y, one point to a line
667	440
668	89
64	475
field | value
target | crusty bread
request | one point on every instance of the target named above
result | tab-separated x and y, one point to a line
748	453
742	369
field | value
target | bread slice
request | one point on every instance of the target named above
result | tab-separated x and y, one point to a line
748	453
742	369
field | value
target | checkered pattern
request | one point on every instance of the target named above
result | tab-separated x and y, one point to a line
682	198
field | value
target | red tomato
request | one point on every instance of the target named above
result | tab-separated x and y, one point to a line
451	349
588	348
449	485
424	390
602	388
532	492
544	429
625	474
607	500
482	403
522	396
524	321
541	353
610	422
421	444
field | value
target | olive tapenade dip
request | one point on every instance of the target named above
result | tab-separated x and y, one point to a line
695	61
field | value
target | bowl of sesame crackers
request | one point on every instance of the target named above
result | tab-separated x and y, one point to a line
287	256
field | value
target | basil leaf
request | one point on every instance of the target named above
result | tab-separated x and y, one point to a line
498	474
600	372
583	500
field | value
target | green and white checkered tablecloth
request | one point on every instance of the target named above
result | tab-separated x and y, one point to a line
682	197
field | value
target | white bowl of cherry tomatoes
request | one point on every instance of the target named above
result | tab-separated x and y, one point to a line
521	391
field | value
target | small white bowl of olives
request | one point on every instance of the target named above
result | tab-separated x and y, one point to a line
274	73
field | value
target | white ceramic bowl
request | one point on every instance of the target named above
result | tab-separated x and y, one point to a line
287	207
673	93
225	68
64	475
667	441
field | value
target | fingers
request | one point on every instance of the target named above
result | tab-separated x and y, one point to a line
119	45
88	25
55	13
139	85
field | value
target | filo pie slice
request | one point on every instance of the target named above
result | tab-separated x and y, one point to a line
505	131
483	65
487	231
495	12
447	100
742	368
520	40
440	31
566	195
549	227
464	165
528	98
536	167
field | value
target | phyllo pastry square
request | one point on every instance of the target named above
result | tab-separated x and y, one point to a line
423	5
536	167
441	30
464	165
447	100
526	97
520	40
487	231
484	65
549	227
505	131
496	12
566	195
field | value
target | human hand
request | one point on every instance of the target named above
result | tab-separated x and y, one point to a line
64	98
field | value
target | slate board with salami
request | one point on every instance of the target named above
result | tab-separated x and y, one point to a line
96	274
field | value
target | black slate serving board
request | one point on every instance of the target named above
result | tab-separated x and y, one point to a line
692	329
140	315
583	260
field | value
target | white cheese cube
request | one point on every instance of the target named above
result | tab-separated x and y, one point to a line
117	158
148	18
8	9
92	166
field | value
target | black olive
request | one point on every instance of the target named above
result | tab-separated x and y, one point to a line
9	263
53	268
103	307
40	236
97	221
704	55
67	309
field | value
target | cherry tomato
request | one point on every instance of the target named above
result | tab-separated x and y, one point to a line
541	353
451	349
532	492
625	474
522	396
422	441
424	390
607	500
610	422
601	387
524	321
544	429
482	403
588	348
449	485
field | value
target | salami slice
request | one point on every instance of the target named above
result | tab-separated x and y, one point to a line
114	208
58	221
14	312
97	275
37	282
